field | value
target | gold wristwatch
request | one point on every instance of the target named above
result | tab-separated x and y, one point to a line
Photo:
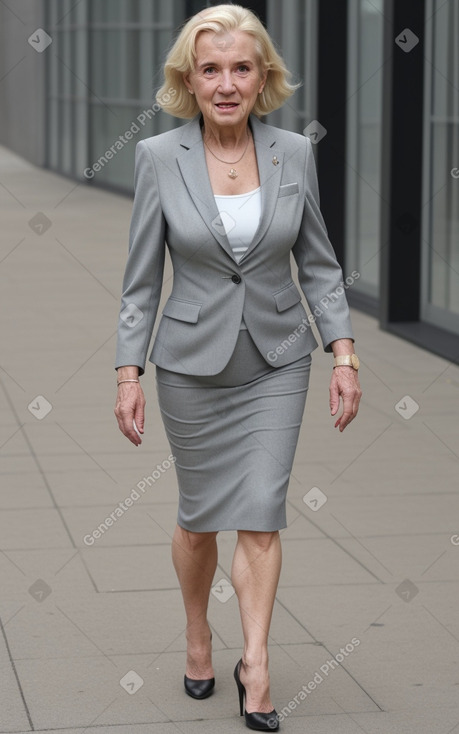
350	360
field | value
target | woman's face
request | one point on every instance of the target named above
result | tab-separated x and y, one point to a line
227	77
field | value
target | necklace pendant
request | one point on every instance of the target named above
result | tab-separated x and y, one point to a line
233	173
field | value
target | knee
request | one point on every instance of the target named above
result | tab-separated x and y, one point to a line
193	541
260	541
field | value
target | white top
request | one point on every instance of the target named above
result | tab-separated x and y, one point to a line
240	216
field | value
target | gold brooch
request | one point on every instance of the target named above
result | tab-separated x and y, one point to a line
275	161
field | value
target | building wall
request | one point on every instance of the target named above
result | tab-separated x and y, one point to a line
22	80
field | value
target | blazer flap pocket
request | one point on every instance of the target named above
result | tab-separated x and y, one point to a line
182	310
288	189
287	297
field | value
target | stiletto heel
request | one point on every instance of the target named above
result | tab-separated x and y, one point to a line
240	688
199	689
256	720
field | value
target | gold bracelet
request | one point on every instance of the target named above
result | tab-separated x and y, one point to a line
120	381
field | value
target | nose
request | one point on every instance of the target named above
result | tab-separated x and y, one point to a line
226	82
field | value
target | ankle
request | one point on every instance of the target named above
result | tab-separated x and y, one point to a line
255	659
198	636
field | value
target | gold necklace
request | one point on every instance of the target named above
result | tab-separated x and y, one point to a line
232	172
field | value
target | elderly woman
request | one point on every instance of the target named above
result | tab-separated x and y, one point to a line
231	198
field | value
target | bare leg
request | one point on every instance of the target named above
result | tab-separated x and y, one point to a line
195	559
255	575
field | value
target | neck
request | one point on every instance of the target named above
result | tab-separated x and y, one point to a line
229	137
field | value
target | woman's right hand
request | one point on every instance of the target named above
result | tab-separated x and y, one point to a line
130	407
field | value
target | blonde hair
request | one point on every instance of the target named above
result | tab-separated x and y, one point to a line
222	19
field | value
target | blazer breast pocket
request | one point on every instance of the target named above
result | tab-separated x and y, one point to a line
182	310
287	297
288	189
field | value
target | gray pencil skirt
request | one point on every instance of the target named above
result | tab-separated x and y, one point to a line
234	436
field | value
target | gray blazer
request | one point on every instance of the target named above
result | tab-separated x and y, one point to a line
174	206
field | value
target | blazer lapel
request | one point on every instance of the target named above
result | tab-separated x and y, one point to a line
192	164
270	161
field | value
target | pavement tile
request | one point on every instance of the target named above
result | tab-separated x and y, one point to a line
93	487
88	692
13	714
62	569
32	528
24	490
139	524
320	562
407	657
162	728
85	625
419	557
432	720
137	568
369	516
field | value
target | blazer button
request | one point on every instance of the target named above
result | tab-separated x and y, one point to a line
236	279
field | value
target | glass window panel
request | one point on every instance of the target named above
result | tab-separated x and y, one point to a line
293	26
107	11
440	292
117	168
363	202
101	78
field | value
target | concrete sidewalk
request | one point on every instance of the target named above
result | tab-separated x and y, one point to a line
93	630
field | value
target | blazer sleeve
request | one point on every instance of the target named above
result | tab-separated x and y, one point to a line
143	276
319	273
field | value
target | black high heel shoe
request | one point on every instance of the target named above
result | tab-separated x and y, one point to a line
199	688
255	720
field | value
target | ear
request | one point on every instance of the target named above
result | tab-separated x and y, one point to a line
264	77
186	80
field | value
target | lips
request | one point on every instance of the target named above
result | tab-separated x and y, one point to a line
227	105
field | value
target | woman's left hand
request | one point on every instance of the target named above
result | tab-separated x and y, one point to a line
345	384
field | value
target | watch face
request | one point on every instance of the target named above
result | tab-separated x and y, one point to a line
355	361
